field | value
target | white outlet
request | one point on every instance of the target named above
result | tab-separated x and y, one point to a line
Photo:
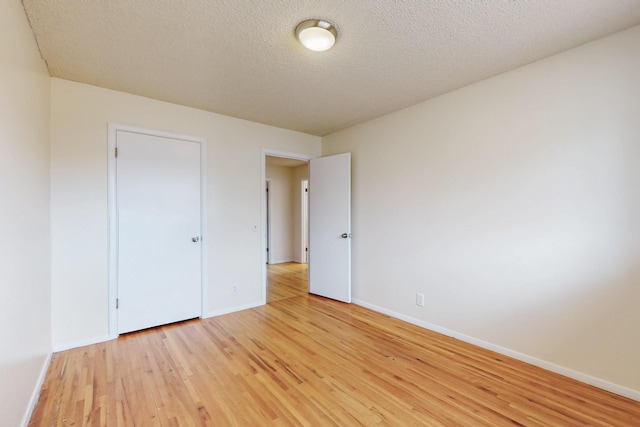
420	300
234	288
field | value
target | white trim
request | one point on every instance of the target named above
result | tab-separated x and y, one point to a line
113	215
286	155
82	343
233	309
268	220
268	152
35	395
204	264
282	261
304	221
579	376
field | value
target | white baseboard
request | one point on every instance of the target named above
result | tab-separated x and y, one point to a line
579	376
233	309
280	261
76	344
33	401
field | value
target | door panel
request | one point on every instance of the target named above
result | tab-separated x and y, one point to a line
329	220
158	205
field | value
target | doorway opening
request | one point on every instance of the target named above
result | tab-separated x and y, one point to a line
286	228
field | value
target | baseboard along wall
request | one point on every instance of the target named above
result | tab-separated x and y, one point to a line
570	373
35	395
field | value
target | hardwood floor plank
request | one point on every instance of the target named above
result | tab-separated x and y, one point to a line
308	361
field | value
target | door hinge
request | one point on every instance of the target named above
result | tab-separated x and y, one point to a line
117	302
116	151
267	249
306	190
306	249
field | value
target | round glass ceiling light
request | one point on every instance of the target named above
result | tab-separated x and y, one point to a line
316	34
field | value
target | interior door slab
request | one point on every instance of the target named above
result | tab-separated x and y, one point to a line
159	242
330	227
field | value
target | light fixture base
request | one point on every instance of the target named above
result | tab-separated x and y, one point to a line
316	34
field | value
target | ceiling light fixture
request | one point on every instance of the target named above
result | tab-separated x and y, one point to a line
316	34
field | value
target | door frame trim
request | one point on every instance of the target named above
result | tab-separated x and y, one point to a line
304	211
263	176
268	218
112	220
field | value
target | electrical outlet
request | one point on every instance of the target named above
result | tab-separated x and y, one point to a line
234	288
420	300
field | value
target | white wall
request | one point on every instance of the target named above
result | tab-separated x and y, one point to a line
300	173
79	118
281	211
25	316
513	205
286	215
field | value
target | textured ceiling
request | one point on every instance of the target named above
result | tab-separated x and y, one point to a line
240	57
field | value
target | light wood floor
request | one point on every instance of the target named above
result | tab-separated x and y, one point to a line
286	280
310	361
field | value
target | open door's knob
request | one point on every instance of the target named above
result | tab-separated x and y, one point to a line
195	239
345	235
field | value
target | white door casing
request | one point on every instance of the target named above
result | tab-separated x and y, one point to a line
304	220
267	229
158	252
330	227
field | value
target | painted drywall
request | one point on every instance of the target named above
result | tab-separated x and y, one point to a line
513	205
281	211
25	315
286	219
79	117
300	173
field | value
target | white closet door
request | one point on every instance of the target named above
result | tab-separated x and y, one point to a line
159	240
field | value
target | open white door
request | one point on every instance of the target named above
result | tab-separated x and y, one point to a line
330	227
159	238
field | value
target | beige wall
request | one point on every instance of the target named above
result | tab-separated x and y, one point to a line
286	221
79	118
513	205
300	173
281	211
25	316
